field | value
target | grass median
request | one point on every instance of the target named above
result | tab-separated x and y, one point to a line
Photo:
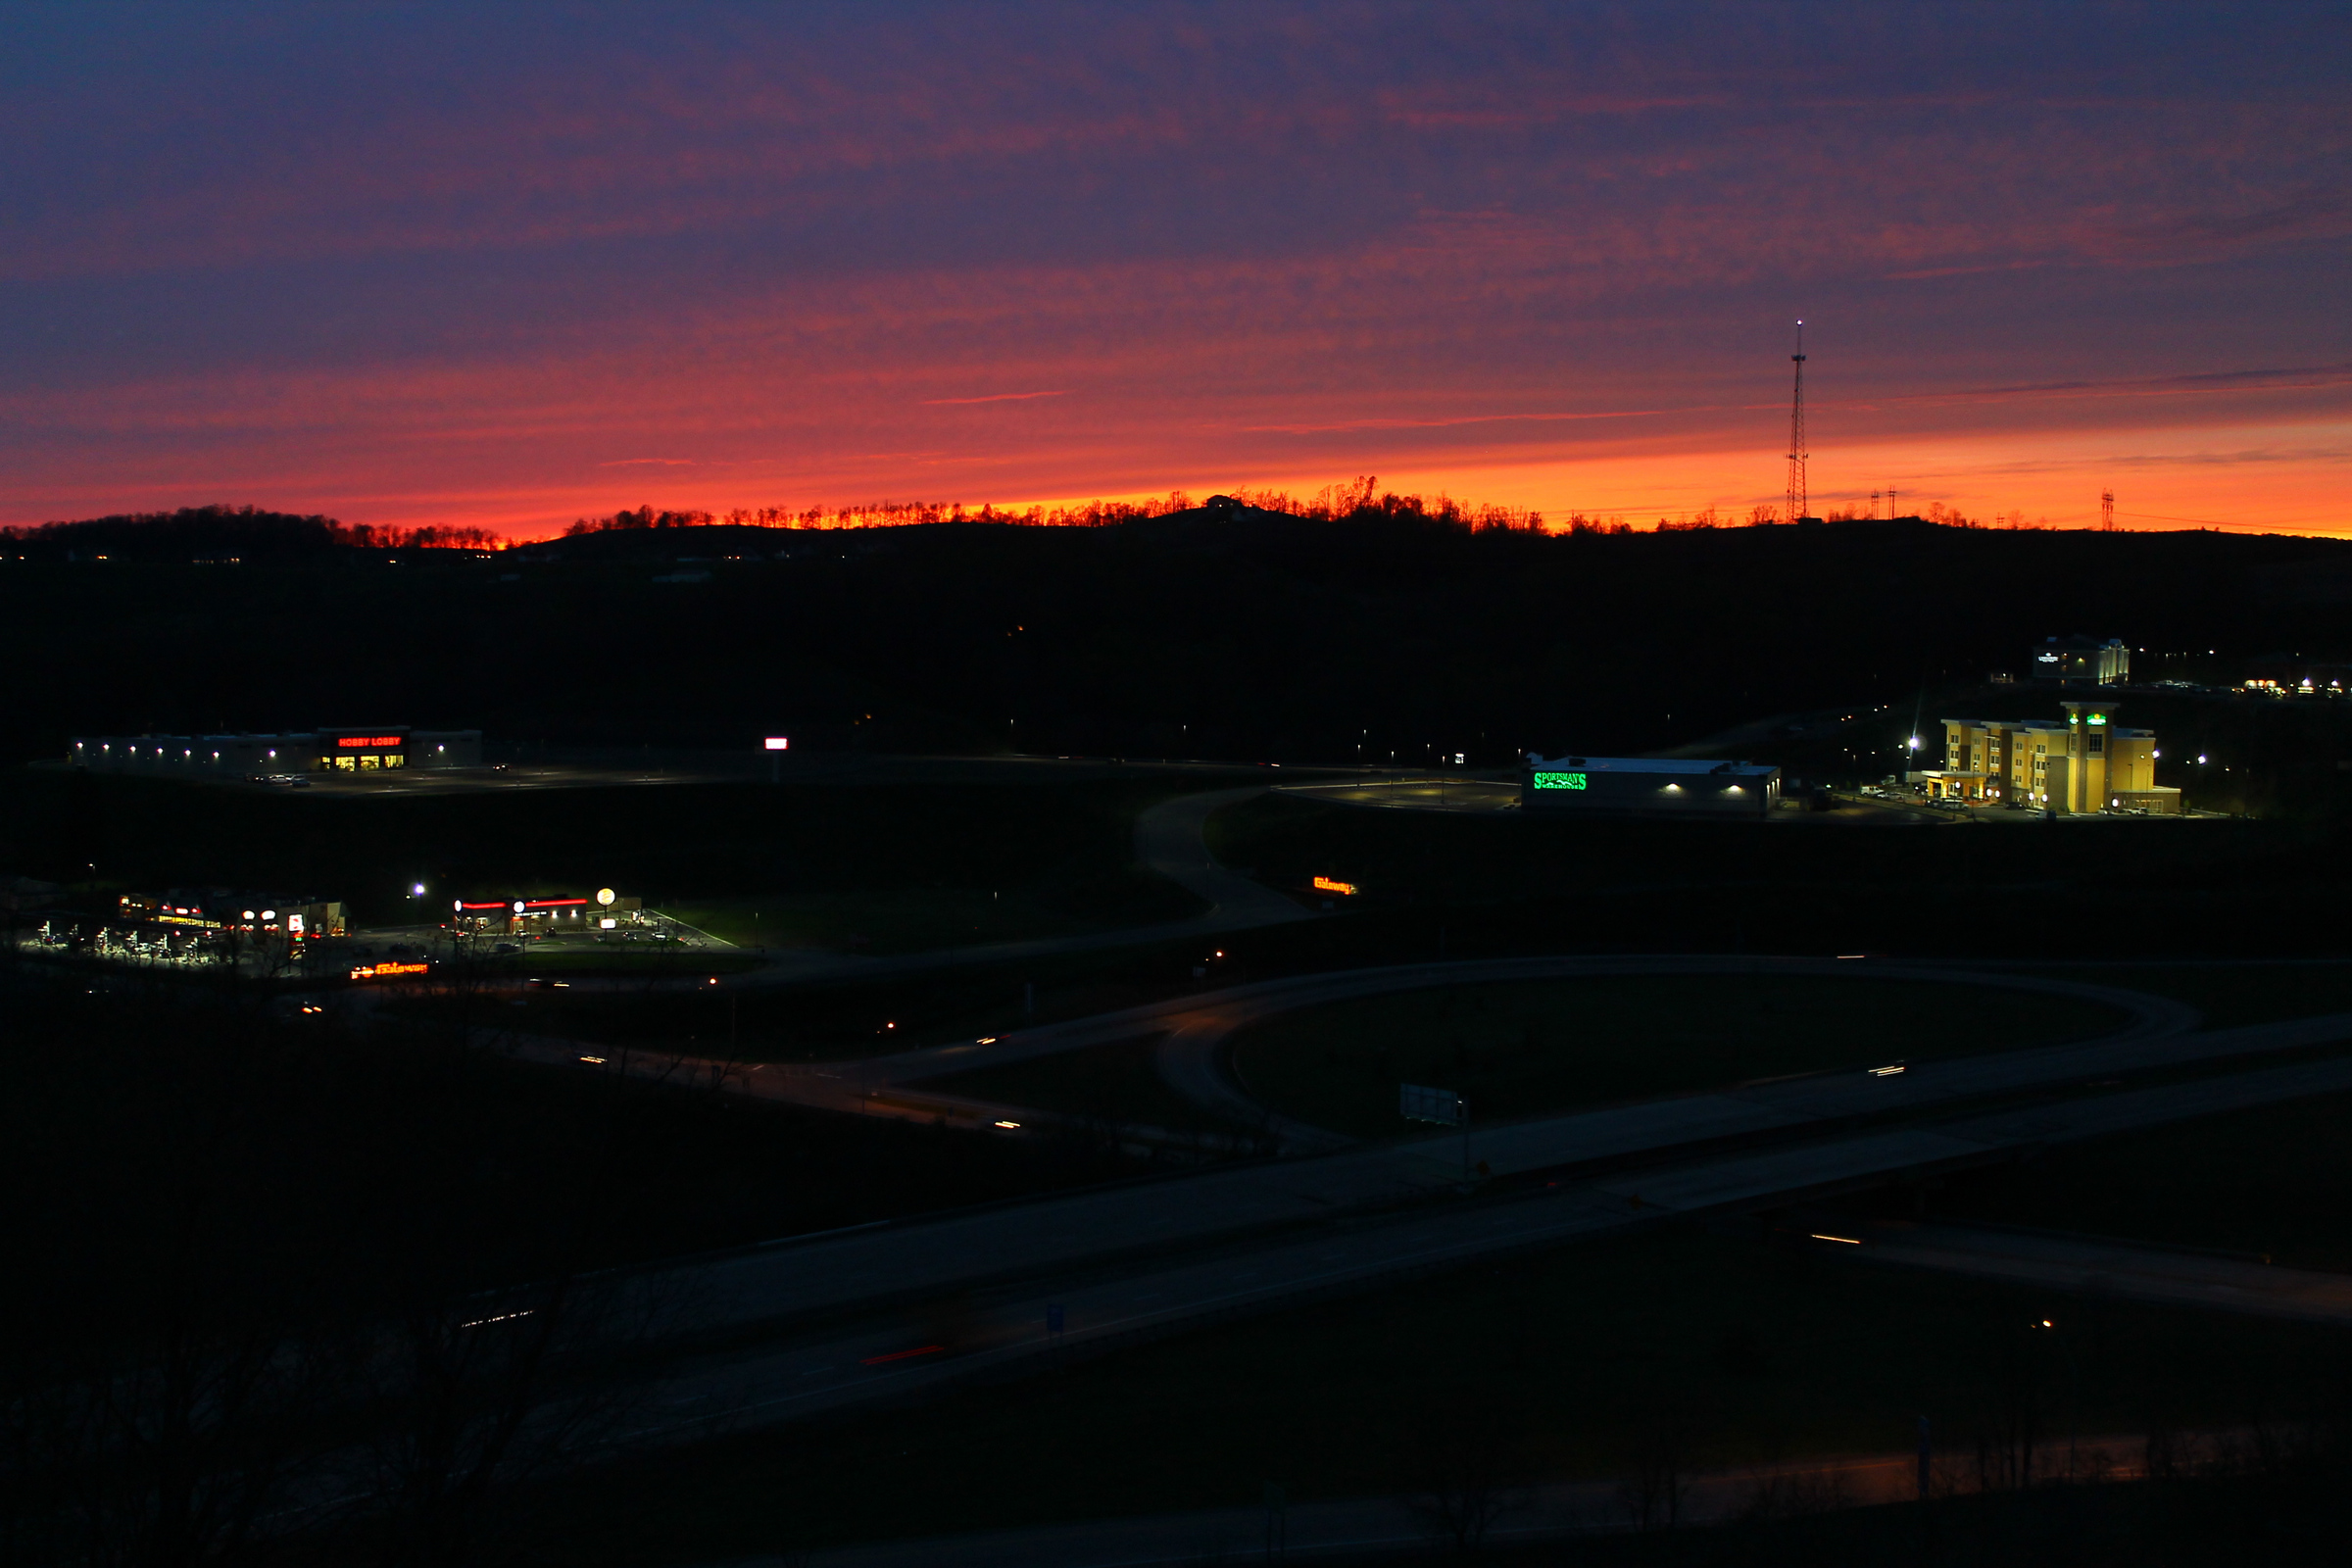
1525	1047
2276	1181
1582	1361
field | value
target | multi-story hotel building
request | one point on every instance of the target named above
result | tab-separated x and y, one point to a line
2082	763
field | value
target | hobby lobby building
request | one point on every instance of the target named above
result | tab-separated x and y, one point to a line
365	749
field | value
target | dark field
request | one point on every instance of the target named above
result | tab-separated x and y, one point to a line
1100	1084
1501	883
918	919
2276	1181
888	864
1724	1347
2234	992
1533	1047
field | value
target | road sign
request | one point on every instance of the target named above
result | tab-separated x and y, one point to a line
1417	1102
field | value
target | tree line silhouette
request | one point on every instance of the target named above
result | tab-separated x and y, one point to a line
222	534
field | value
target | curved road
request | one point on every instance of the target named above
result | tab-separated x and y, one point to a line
1189	1057
1169	840
823	1322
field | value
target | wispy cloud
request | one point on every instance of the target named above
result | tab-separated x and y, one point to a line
993	397
446	253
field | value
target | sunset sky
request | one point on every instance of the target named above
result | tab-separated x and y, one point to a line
511	265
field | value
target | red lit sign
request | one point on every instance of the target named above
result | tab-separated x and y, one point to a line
1324	883
381	971
353	741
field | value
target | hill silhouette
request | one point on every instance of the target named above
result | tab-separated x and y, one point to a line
1210	632
219	534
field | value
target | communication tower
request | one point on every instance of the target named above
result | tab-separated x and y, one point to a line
2107	512
1797	432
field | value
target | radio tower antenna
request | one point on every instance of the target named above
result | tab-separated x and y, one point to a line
2107	512
1797	432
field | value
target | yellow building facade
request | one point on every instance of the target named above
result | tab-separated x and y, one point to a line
2082	763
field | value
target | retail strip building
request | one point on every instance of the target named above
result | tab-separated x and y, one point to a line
365	749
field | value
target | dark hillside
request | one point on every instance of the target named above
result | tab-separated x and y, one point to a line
220	535
1248	637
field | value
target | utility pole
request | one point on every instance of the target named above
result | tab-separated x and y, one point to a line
1797	432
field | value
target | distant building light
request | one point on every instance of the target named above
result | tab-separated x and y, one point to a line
776	743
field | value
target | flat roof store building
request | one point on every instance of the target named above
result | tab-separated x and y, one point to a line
360	750
1647	786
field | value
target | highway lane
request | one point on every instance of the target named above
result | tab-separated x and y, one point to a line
1233	1006
1192	1058
2099	1265
1196	1025
1217	1205
893	1357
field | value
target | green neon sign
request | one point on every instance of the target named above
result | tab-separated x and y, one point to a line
1559	781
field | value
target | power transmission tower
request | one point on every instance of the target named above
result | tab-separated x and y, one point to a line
1797	432
2107	512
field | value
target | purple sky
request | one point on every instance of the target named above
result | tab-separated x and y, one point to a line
508	265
